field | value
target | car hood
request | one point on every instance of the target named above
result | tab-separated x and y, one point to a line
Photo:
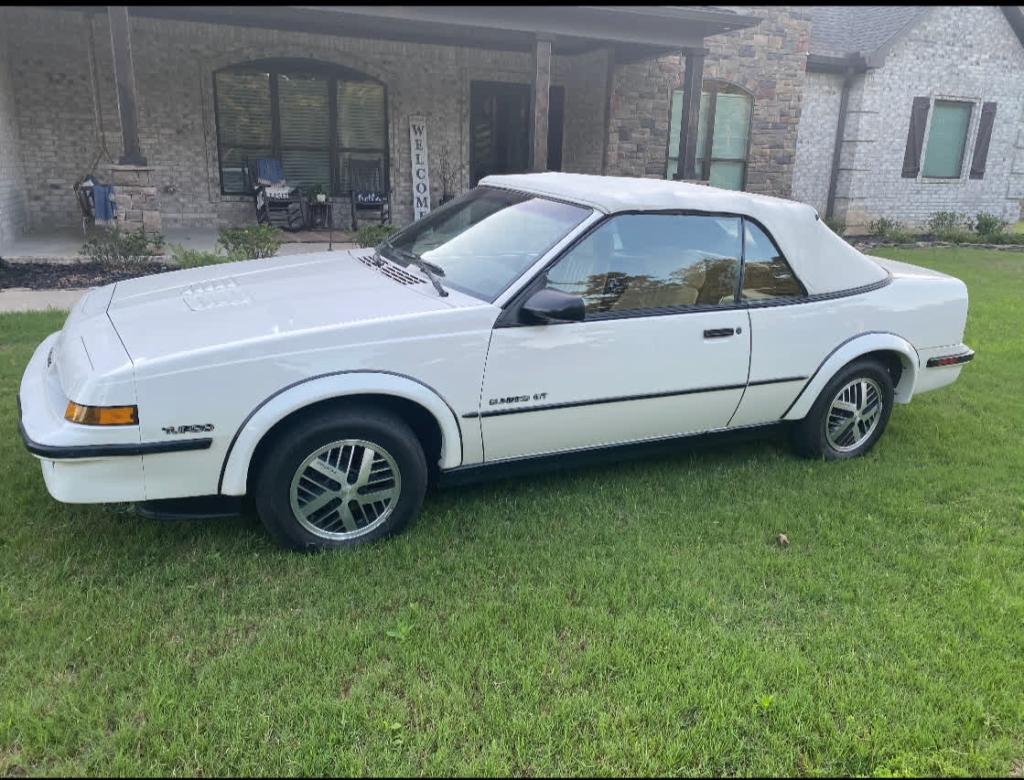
210	307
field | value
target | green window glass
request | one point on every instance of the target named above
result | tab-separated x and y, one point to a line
724	164
947	137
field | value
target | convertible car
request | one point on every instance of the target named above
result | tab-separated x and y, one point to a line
535	316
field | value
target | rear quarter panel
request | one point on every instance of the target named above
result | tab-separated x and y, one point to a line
927	310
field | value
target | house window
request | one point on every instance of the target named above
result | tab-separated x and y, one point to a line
314	117
947	138
723	134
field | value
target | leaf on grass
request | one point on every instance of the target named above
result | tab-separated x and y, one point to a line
783	540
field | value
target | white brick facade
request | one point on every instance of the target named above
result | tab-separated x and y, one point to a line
12	181
960	53
816	138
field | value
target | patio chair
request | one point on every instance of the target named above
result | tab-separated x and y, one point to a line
367	189
277	203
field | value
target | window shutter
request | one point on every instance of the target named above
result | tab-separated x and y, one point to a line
988	117
915	137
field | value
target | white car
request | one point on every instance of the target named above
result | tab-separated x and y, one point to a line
537	315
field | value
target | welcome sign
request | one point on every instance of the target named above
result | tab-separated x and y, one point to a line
420	169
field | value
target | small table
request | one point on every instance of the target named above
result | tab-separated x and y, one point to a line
322	215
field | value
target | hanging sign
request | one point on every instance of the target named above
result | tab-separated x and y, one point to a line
420	170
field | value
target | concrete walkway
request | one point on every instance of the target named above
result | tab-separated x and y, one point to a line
23	299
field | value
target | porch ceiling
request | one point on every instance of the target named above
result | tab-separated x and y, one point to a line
635	32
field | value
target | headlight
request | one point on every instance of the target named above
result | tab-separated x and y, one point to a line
101	415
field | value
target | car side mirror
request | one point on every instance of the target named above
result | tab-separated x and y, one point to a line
550	305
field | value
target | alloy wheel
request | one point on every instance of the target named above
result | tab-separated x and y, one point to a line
345	489
853	414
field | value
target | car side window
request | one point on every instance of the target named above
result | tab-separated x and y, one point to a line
766	274
638	262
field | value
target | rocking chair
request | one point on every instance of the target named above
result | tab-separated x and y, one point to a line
367	190
277	203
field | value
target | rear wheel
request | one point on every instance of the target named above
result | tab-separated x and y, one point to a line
341	478
850	414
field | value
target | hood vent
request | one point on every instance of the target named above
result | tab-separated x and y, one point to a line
390	270
214	295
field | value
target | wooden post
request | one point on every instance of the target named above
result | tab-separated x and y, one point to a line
124	77
693	81
541	102
609	89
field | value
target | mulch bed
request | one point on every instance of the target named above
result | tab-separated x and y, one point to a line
63	276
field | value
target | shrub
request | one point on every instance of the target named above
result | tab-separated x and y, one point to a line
988	225
252	241
890	230
950	226
116	248
372	235
194	258
837	226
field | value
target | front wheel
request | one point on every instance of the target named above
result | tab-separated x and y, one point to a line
850	414
340	478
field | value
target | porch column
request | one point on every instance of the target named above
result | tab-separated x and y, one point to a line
124	77
693	80
541	101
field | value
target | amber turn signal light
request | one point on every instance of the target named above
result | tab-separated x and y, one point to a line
101	415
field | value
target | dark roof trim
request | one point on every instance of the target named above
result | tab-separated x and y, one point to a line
824	63
1015	16
636	32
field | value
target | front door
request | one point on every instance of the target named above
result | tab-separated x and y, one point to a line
499	128
663	350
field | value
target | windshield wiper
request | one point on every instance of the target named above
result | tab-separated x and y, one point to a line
431	270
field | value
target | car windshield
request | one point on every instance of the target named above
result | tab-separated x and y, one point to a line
484	240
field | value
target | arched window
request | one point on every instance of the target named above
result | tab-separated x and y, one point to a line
312	116
723	134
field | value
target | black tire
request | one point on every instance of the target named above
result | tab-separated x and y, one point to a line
272	485
810	437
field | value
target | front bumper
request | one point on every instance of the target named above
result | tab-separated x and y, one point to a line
80	464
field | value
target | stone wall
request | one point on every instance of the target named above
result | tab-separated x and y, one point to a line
13	217
768	60
958	53
174	63
816	138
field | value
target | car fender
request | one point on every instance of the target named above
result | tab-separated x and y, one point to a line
235	469
851	349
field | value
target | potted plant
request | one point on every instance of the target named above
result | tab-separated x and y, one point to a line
317	193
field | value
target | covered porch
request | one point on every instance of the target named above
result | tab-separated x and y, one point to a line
170	104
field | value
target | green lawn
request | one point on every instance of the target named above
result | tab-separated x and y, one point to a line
628	618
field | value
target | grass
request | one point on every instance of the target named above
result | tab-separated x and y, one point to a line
634	618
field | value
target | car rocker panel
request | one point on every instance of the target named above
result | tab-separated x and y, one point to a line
572	316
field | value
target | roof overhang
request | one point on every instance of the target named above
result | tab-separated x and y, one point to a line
635	32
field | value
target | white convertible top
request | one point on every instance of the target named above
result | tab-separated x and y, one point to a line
824	262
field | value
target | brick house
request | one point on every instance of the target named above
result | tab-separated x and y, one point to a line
928	107
167	102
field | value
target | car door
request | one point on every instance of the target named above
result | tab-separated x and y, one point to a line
663	349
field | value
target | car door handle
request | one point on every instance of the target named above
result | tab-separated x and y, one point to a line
721	333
